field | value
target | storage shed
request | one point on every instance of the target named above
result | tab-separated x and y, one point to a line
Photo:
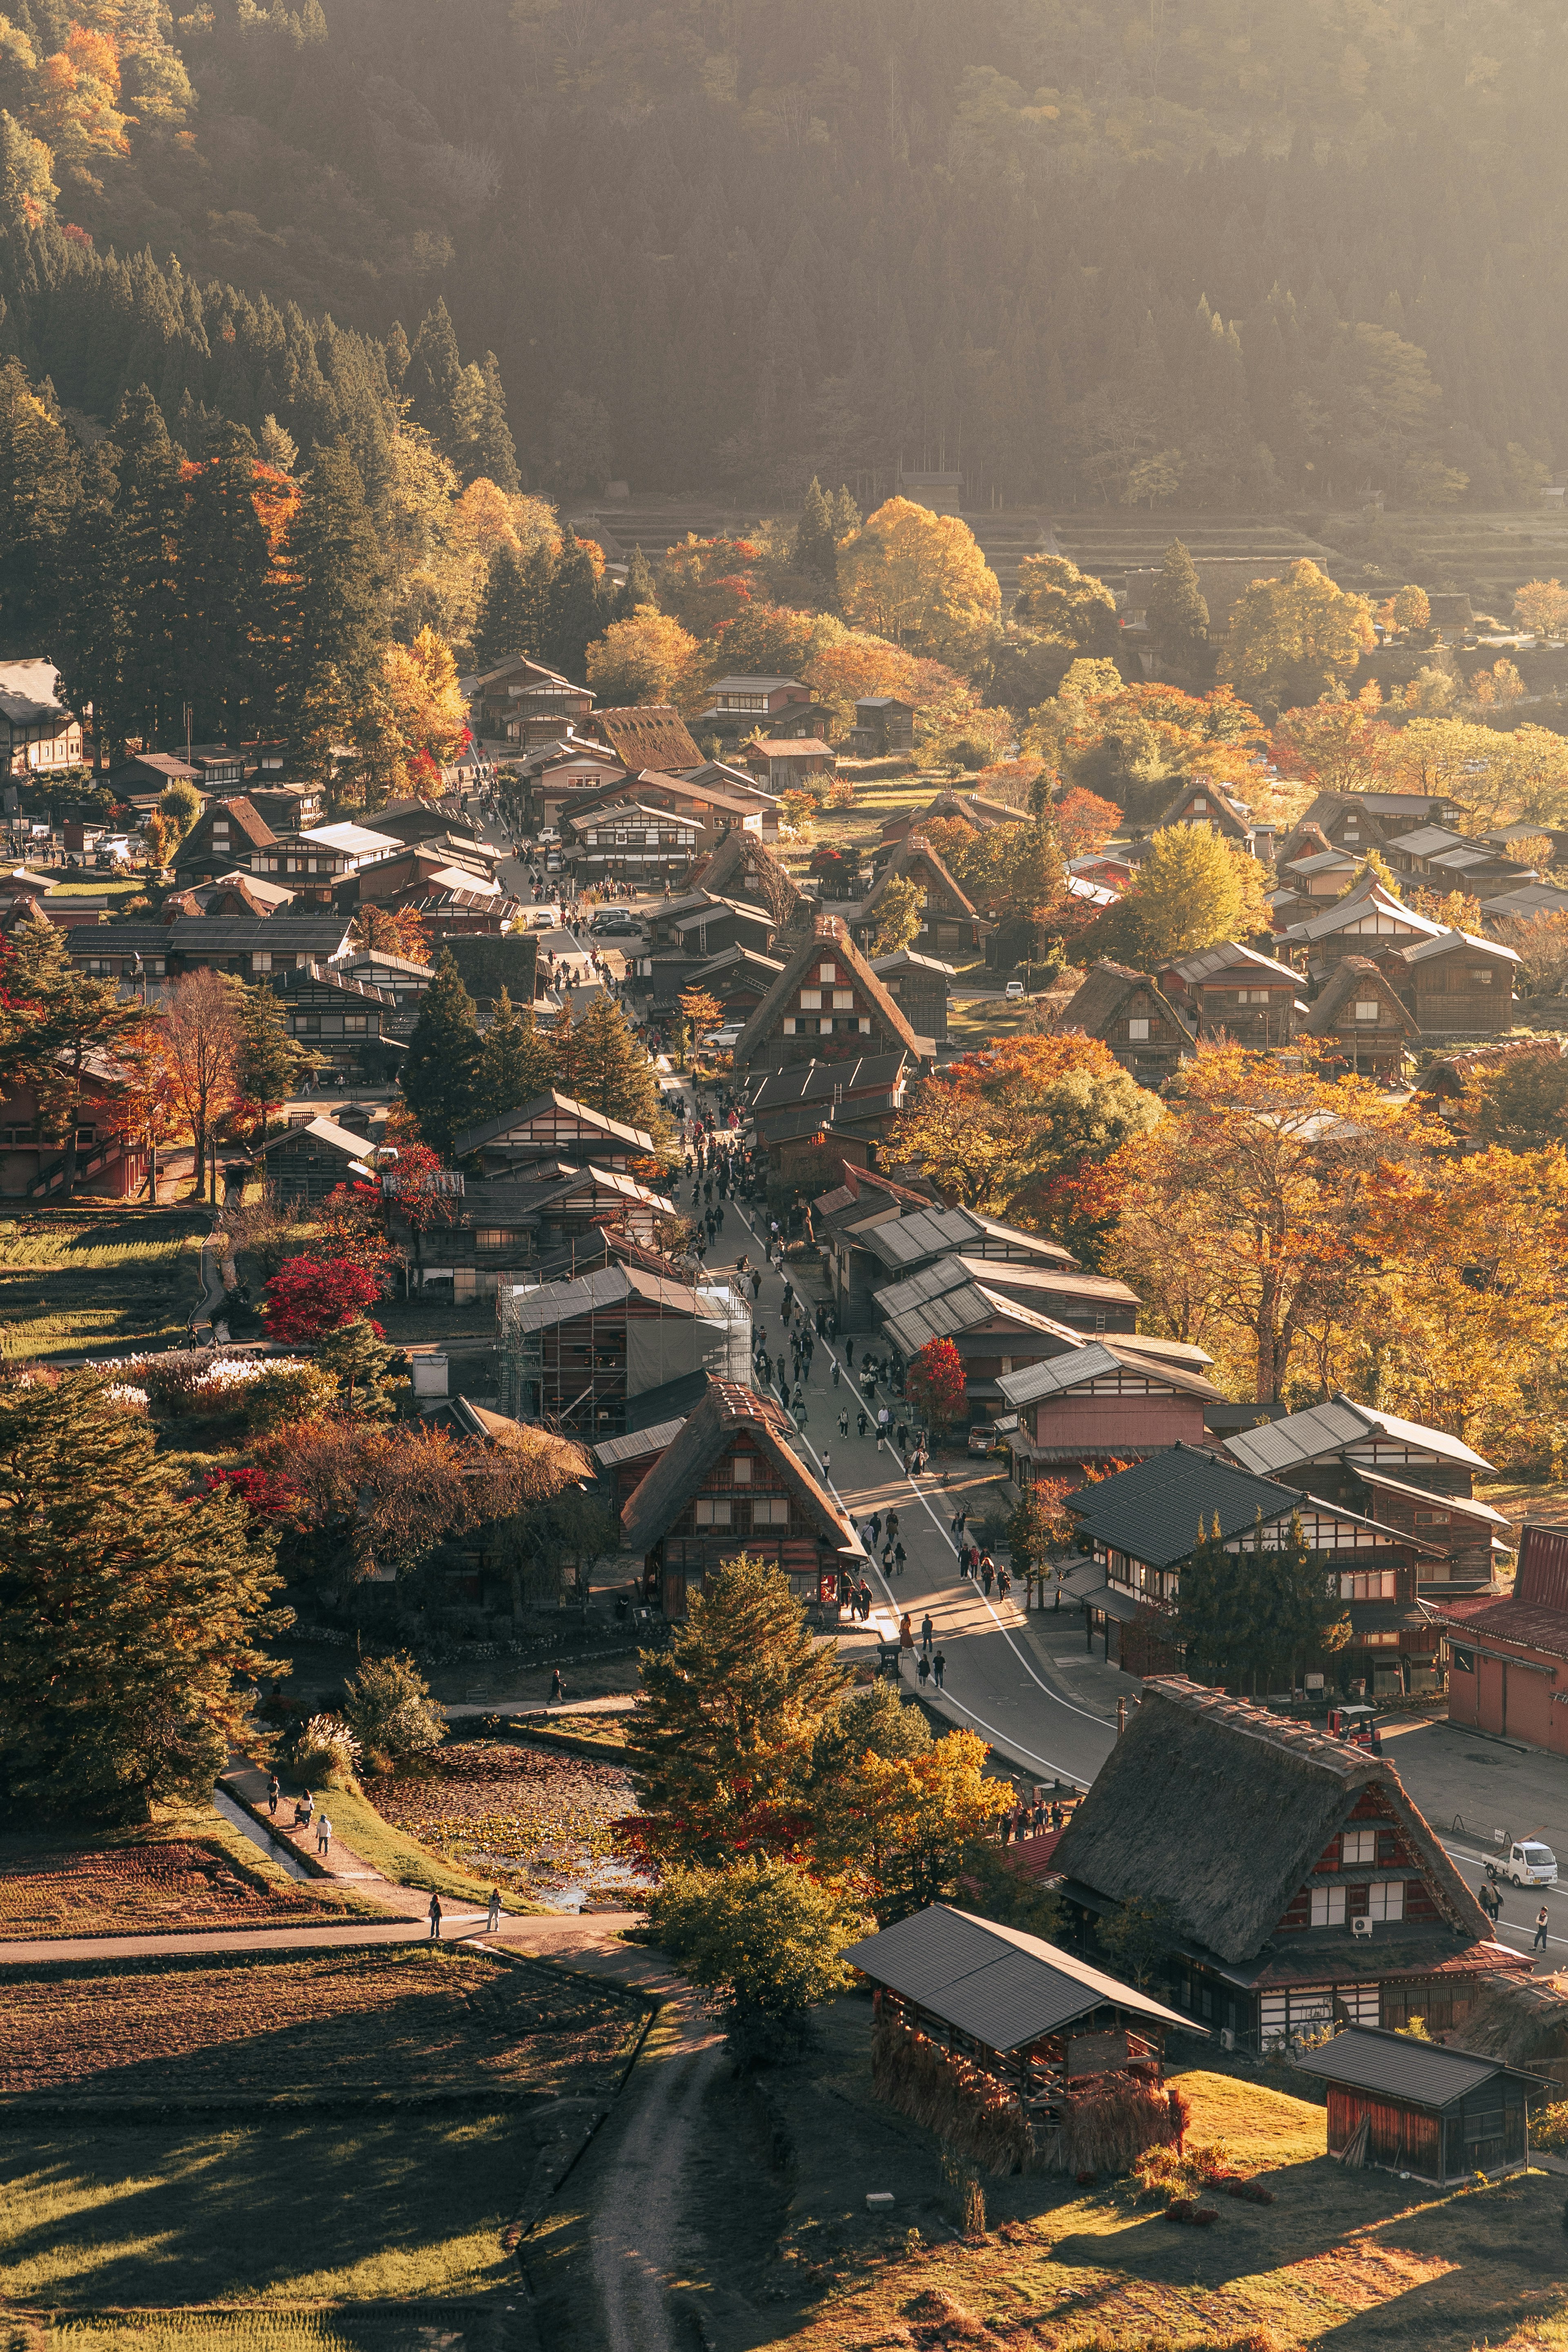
1414	2106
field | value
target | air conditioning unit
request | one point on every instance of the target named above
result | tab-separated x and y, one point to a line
1227	2038
1362	1927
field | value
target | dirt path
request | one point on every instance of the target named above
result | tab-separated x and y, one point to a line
639	2197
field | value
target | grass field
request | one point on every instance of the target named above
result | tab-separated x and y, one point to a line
403	2325
328	2208
237	2029
107	1276
1355	2262
402	1858
191	1870
539	1819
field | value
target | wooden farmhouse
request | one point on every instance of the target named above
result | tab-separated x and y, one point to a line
949	921
783	763
1400	1471
715	923
967	2007
1211	806
37	731
1232	991
1129	1011
920	985
818	1119
743	868
738	978
883	725
109	1163
871	1228
249	947
993	1331
572	1353
1460	987
1508	1657
763	707
550	1128
1141	1526
1440	859
1103	1401
1441	2115
228	834
730	1483
826	1005
650	735
344	1020
975	810
306	1163
1341	1907
1357	822
622	841
521	703
1374	923
552	1223
1359	1023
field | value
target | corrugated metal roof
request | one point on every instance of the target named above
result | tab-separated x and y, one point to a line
1329	1428
639	1445
929	1234
1368	2058
1154	1510
558	1302
1003	1987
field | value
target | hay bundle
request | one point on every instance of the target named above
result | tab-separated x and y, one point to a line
1112	2118
959	2102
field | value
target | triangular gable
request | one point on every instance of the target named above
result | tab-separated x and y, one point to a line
915	850
828	936
557	1112
1358	978
726	1413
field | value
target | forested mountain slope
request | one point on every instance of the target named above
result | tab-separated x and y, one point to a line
1216	252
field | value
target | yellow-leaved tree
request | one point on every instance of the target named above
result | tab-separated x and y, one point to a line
1193	887
648	657
421	721
1292	640
918	578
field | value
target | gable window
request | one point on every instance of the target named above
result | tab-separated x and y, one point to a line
1365	1008
1137	1030
1358	1846
1328	1906
770	1511
740	1468
1199	805
1374	1584
713	1511
843	999
788	1024
810	999
1388	1901
827	972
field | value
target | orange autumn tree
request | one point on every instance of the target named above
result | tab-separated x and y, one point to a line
1339	744
937	1387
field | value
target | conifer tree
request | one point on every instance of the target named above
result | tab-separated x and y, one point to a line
641	588
226	566
130	1614
564	1040
512	615
493	453
516	1063
610	1072
333	611
432	385
94	635
573	617
70	1016
269	1063
148	510
816	548
846	516
360	1364
1178	613
440	1068
38	493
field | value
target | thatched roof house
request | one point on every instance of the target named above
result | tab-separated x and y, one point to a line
1524	2020
826	1005
1297	1881
1130	1012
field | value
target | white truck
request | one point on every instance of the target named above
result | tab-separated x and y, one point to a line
1523	1862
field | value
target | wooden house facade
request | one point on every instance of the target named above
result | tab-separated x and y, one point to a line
1359	1023
109	1163
1101	1401
993	1332
1232	991
571	1353
1213	809
883	725
1343	1909
1508	1657
523	703
782	763
625	841
950	923
552	1223
1460	987
730	1483
1130	1013
306	1163
763	707
228	834
552	1127
346	1021
1373	924
921	986
1442	2115
826	1005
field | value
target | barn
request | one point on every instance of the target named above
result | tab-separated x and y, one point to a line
1416	2107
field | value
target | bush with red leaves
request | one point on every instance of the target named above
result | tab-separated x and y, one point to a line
310	1296
1252	2191
266	1493
1195	2216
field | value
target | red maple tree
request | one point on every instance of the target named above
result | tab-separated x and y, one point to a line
936	1382
309	1295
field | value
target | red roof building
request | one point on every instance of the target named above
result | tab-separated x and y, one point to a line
1507	1660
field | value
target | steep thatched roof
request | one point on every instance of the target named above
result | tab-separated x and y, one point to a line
1220	1811
827	935
1105	990
1357	977
727	1409
1523	2020
744	866
915	850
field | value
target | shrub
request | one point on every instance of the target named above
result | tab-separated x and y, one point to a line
391	1712
327	1750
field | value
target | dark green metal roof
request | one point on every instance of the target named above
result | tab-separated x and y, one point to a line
1153	1511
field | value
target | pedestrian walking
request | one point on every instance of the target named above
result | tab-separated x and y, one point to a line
900	1558
922	1670
1543	1922
903	1437
986	1573
755	1282
926	1629
938	1667
905	1632
827	1468
850	1354
323	1834
433	1916
494	1920
876	1528
1489	1900
1004	1584
556	1689
844	1421
272	1793
861	1423
835	1371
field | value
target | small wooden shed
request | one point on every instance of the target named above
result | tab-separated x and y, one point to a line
1414	2106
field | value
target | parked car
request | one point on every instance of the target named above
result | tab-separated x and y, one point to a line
982	1437
723	1041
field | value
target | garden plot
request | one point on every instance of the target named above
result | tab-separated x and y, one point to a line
242	2030
89	1277
145	1889
536	1819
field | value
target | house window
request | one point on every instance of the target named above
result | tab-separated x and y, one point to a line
788	1024
307	1025
843	999
1480	975
356	1023
770	1511
1358	1846
1463	1661
1365	1008
866	1026
740	1469
1374	1584
1431	1518
494	1236
1137	1030
1389	1641
713	1511
826	1024
827	972
261	960
1388	1901
810	999
1328	1906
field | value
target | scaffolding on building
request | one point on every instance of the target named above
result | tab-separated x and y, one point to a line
705	1326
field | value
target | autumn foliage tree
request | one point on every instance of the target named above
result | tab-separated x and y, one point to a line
309	1295
936	1383
917	578
1291	641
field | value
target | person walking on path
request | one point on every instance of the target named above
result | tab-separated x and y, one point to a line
926	1630
433	1916
939	1667
323	1835
861	1423
1542	1921
922	1670
843	1420
849	1354
1491	1901
556	1689
900	1558
836	1373
905	1632
272	1793
494	1919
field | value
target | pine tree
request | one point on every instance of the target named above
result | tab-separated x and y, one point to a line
269	1063
39	488
563	1043
225	565
129	1613
432	385
573	617
512	616
846	516
641	588
493	452
92	594
333	612
1177	613
816	548
360	1364
68	1018
516	1063
612	1074
440	1072
149	513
